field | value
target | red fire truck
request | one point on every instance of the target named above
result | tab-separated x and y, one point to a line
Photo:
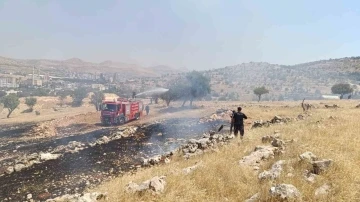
118	111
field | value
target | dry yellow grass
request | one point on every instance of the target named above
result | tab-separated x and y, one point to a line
222	179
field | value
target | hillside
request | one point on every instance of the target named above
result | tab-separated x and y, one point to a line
296	81
76	66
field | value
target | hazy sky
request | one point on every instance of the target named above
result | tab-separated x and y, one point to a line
196	34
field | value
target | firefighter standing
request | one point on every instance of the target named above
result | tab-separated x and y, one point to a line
238	119
147	109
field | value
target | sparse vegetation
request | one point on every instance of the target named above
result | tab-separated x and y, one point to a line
96	99
11	102
62	96
2	94
78	96
30	102
260	91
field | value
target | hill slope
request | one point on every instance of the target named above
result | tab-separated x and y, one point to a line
76	65
286	81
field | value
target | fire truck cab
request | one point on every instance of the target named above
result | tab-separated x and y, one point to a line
120	110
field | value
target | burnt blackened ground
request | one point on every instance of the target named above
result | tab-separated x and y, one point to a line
73	172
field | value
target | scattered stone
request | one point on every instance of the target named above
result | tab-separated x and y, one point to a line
254	198
48	156
102	140
29	196
322	191
267	139
358	106
274	172
310	177
321	166
9	170
260	153
283	192
87	197
278	143
155	185
332	106
260	123
308	156
19	167
190	169
301	117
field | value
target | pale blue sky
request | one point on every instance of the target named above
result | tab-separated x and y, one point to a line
197	34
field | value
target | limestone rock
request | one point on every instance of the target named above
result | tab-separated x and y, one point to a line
260	153
308	156
9	170
322	191
254	198
190	169
321	166
19	167
87	197
274	172
49	156
309	177
29	196
155	185
278	143
285	192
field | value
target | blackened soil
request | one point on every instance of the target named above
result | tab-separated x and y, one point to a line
73	172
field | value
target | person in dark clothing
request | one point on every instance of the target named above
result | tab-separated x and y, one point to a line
238	120
147	109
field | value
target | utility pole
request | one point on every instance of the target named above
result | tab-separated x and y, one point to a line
33	76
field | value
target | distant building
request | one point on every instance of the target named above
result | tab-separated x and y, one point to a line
37	82
9	81
12	92
99	87
330	97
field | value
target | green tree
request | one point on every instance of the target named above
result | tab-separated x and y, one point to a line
96	99
78	97
2	94
11	102
342	89
198	86
175	92
30	102
260	91
62	96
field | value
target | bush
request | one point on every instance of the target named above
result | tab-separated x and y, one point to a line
30	102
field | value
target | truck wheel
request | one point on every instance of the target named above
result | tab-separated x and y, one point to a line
121	120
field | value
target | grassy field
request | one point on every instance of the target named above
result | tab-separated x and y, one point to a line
328	133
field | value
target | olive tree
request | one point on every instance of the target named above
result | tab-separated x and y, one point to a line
96	99
342	89
260	91
11	102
